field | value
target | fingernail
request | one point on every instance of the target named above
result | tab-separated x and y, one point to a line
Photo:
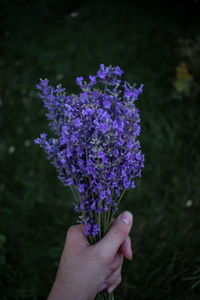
126	217
103	287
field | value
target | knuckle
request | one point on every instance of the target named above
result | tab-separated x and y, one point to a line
109	281
116	266
114	277
113	268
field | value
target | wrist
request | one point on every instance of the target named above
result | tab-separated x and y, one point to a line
61	291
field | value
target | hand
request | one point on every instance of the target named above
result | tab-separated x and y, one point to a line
86	269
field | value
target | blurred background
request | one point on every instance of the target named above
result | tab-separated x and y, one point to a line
156	43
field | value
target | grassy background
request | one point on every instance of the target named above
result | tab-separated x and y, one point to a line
42	39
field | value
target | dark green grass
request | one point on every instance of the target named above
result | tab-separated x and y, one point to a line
35	209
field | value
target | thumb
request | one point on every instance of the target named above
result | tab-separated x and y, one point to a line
117	234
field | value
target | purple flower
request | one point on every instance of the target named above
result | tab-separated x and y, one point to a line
69	181
107	104
95	146
92	80
131	91
103	72
77	123
79	80
81	188
109	75
118	71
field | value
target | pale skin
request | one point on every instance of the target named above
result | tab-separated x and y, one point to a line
84	270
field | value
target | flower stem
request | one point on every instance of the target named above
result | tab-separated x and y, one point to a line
104	295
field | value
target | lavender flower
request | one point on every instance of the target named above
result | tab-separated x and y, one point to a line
95	147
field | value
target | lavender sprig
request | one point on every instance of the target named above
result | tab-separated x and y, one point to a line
95	147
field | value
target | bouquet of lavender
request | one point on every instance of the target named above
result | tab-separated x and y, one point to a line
95	147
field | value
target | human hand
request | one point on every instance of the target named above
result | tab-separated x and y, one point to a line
86	269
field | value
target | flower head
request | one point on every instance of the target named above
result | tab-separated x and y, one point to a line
109	75
95	147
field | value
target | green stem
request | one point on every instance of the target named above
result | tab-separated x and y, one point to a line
104	295
71	188
90	239
109	210
122	194
99	221
105	88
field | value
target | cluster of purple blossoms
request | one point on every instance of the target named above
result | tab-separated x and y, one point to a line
95	147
